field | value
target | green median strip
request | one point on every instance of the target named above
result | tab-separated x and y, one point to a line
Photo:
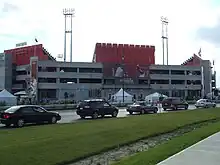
65	143
163	151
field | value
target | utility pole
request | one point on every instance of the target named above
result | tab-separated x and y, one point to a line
164	22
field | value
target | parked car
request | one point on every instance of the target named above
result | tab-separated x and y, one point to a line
96	108
142	108
205	103
174	103
20	115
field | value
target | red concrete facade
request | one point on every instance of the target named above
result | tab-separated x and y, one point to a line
193	61
22	55
133	54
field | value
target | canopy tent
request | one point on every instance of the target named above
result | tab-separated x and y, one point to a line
118	97
154	97
20	93
8	98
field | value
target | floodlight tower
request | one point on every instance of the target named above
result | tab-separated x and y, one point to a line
164	22
68	13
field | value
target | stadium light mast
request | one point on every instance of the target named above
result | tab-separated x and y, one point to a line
68	13
165	22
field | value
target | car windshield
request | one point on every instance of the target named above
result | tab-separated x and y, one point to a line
201	100
12	109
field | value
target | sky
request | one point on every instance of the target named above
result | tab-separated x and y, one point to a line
193	24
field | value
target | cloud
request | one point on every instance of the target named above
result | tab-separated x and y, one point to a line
210	34
7	7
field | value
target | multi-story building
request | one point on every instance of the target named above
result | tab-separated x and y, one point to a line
80	80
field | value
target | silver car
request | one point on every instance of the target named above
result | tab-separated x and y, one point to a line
205	103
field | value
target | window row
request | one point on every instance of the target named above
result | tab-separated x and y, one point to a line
70	69
69	80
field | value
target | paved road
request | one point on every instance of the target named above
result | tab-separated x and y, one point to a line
69	116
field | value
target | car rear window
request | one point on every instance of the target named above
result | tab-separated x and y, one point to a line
89	103
11	109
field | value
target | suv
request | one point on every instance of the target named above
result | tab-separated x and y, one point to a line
96	108
174	103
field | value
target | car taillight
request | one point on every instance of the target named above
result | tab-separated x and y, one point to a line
6	116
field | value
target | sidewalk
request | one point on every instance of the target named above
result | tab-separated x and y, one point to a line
205	152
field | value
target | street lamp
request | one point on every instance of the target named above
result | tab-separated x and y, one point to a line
164	22
123	82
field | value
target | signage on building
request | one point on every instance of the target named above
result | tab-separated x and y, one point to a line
2	56
21	44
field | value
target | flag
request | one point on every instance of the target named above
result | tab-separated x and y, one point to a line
199	53
36	40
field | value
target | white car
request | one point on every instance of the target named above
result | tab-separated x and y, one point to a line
205	103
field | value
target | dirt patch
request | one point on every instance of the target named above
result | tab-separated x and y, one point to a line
116	154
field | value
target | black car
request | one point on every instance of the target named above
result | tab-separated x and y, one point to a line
142	108
174	103
20	115
96	108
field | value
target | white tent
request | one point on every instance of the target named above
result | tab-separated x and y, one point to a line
8	98
118	97
20	93
154	97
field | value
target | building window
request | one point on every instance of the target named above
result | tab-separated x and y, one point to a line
178	72
90	70
68	80
177	82
47	69
159	81
68	69
154	71
92	81
46	80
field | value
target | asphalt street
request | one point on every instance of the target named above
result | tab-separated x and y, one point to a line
69	116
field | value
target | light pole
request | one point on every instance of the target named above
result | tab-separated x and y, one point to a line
68	13
164	22
123	82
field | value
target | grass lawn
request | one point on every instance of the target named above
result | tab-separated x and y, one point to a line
163	151
62	143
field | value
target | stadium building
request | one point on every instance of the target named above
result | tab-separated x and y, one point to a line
32	70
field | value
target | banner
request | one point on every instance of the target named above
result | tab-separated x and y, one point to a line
32	85
129	70
127	73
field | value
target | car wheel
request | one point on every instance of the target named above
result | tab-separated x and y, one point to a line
95	115
142	111
214	106
130	112
20	123
164	109
102	116
186	107
53	120
7	125
155	110
82	117
114	114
